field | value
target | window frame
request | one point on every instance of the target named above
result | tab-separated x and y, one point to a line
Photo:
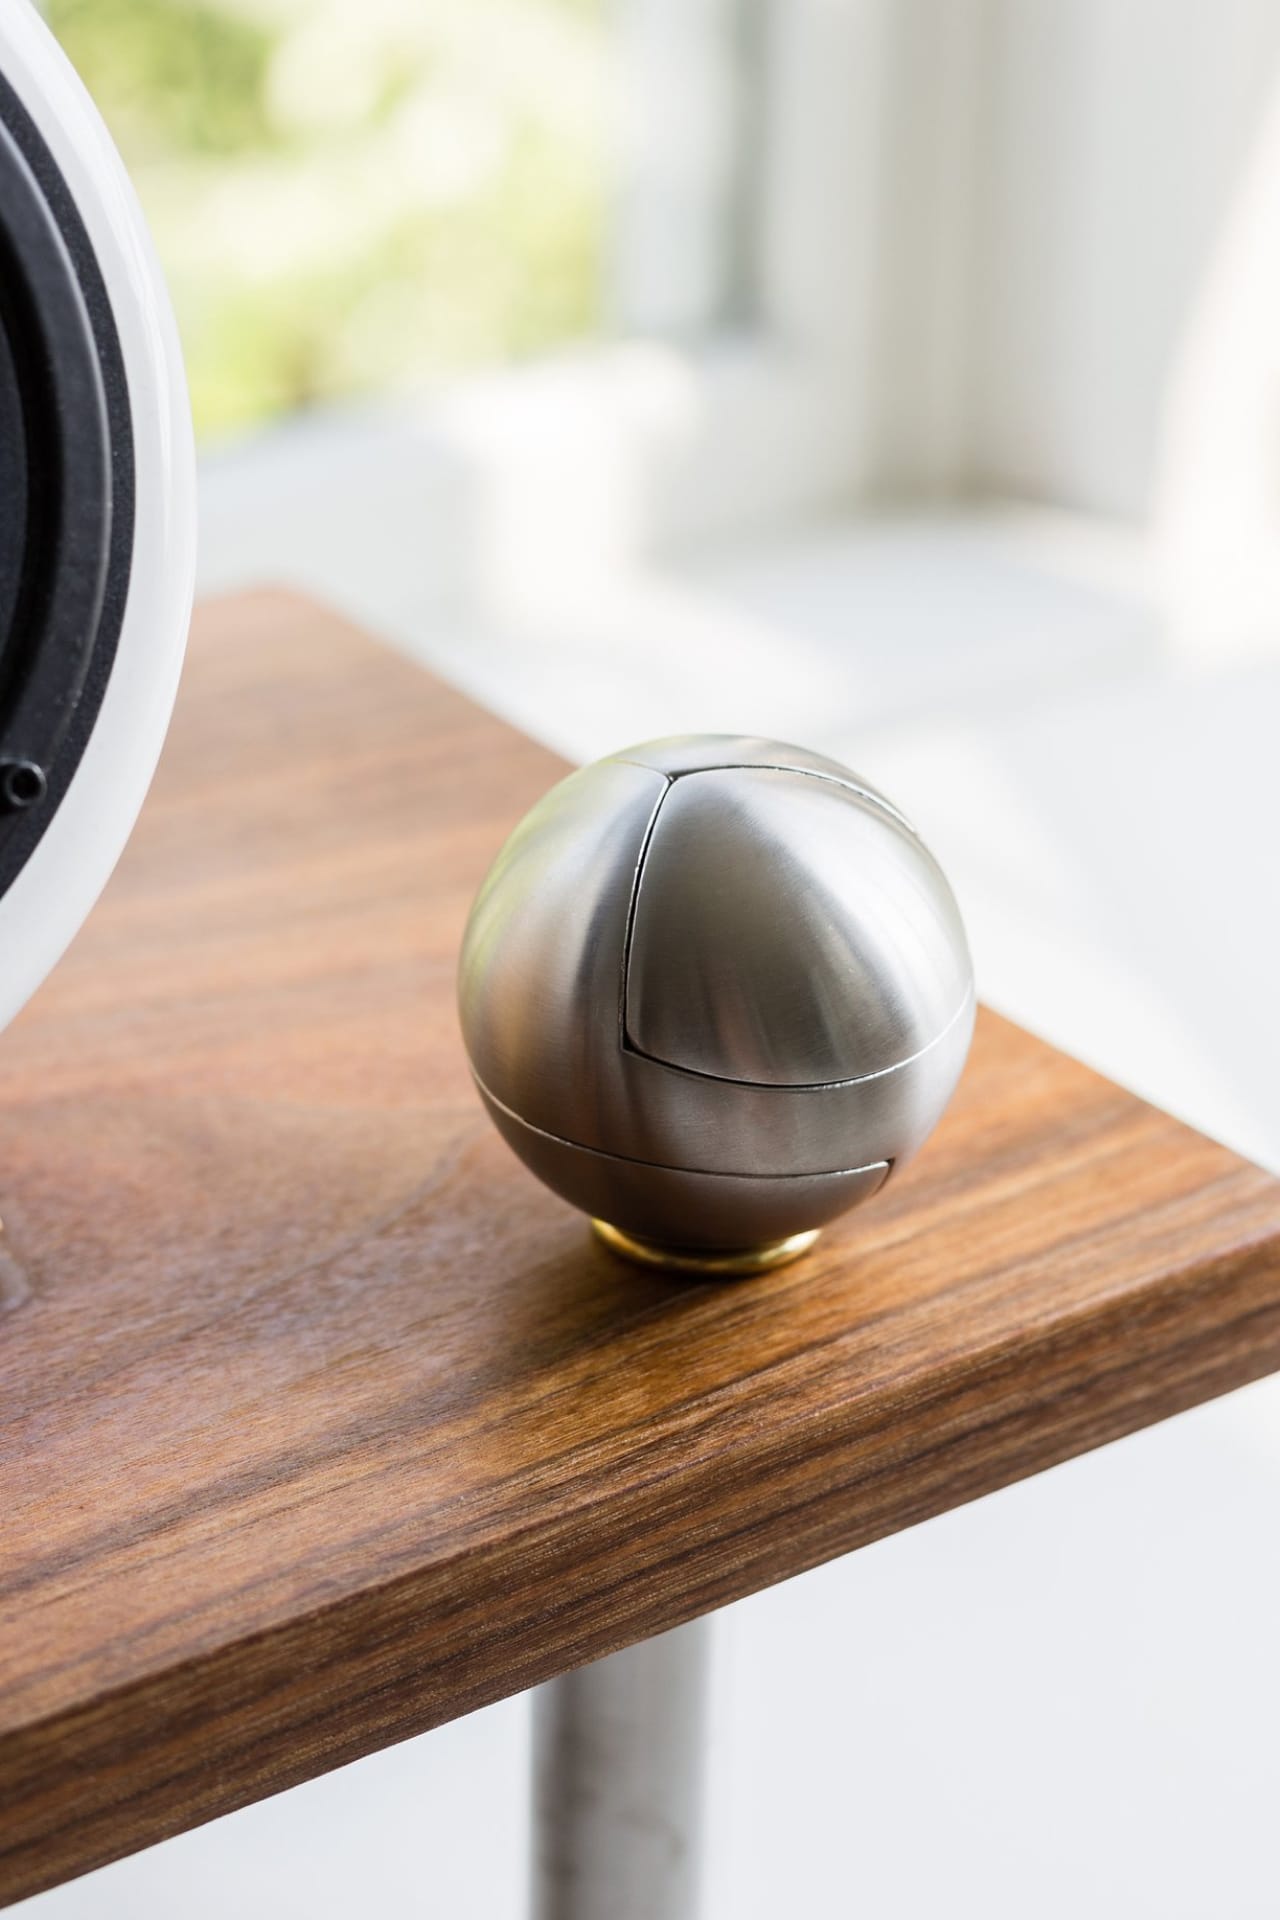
765	416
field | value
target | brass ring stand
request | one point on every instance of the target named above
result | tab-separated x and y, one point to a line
711	1262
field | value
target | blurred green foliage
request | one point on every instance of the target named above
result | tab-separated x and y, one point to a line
356	195
189	75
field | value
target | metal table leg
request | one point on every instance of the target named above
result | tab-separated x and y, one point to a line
618	1779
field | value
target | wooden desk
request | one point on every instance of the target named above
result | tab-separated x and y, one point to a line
321	1423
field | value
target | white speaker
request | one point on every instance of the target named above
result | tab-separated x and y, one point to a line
97	505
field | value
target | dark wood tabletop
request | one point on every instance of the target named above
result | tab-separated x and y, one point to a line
321	1422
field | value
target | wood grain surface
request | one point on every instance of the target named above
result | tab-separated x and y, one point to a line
320	1422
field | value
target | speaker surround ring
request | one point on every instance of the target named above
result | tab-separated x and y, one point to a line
84	699
62	450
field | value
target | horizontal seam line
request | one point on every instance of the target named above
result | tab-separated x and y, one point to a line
660	1166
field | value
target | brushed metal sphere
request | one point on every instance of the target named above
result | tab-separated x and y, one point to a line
714	990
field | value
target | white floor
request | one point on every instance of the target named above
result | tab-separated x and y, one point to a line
1062	1700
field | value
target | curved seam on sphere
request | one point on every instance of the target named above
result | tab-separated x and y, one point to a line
876	800
801	1086
634	901
660	1166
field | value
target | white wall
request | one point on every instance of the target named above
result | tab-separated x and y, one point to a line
1061	177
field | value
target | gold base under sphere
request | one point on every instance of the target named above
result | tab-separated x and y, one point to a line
709	1263
714	990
